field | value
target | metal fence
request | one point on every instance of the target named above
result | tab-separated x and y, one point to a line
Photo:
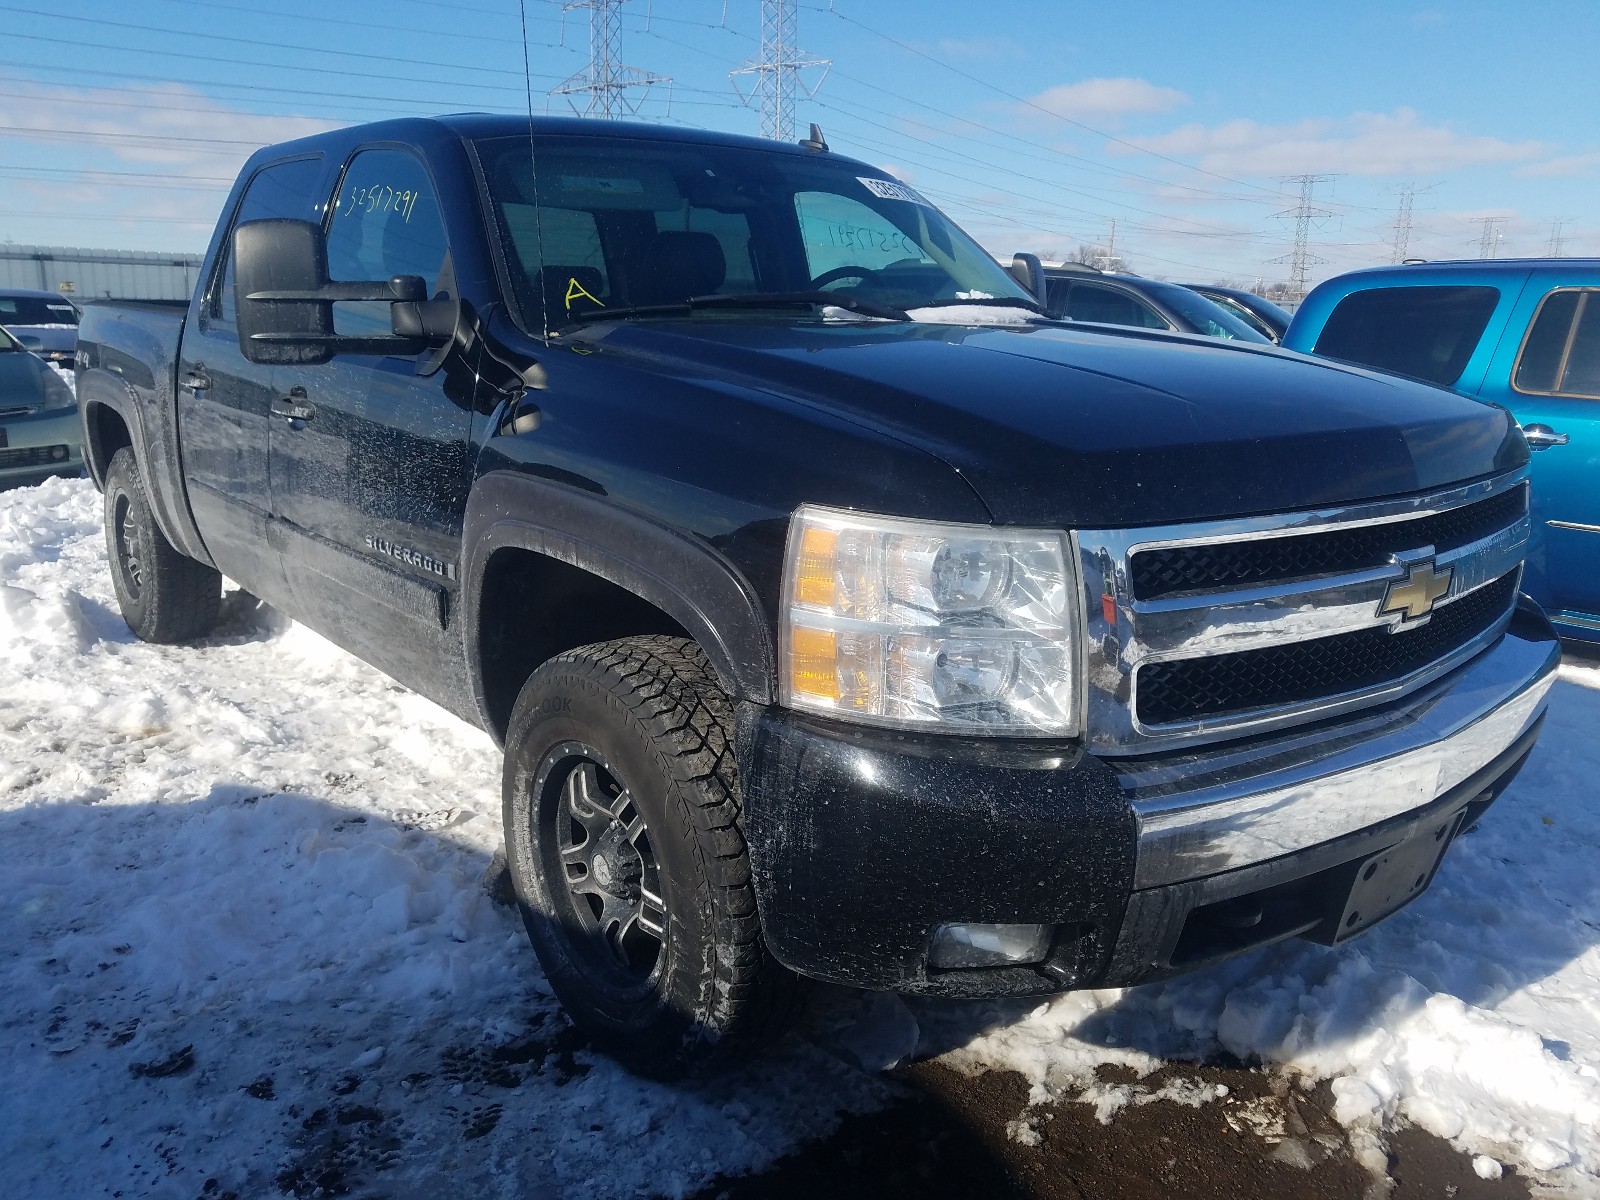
99	274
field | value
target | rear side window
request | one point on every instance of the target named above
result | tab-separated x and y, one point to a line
1111	306
1428	333
34	310
286	189
1561	356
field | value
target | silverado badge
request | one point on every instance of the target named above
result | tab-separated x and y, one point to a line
1412	598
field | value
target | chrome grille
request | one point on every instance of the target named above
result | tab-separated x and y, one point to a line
1207	631
1219	684
1175	569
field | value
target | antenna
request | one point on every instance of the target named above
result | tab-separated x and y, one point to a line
1301	260
606	81
778	71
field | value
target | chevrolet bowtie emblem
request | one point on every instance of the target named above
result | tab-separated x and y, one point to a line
1412	598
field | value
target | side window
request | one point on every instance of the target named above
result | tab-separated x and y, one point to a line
1561	355
1111	306
1428	333
386	222
286	189
840	232
1055	291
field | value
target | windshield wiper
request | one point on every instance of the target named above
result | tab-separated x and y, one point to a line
991	302
865	308
749	300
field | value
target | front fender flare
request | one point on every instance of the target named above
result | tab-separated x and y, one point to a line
684	577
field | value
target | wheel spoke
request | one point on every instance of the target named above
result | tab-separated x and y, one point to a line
652	914
586	801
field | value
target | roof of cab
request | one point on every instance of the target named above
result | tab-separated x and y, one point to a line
487	125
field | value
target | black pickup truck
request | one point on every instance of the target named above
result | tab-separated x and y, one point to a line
840	614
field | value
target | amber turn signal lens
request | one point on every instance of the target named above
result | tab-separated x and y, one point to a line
814	663
814	572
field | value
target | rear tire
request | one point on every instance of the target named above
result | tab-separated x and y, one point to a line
625	842
165	596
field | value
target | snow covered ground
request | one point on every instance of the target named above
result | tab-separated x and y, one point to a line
243	939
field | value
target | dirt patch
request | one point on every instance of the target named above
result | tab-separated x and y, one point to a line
964	1137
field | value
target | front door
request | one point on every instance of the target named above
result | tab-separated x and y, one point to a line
1553	387
224	401
369	458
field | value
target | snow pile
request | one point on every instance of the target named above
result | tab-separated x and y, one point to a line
1471	1014
244	938
974	314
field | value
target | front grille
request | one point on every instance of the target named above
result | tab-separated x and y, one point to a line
33	456
1303	671
1179	569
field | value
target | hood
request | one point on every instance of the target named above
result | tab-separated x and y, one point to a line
21	385
1054	425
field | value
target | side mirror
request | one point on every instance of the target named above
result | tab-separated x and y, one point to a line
1027	270
285	299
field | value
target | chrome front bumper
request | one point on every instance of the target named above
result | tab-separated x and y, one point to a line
1223	808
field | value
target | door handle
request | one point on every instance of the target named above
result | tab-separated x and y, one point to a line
294	407
1541	436
195	380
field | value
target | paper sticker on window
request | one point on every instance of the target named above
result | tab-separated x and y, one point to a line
890	190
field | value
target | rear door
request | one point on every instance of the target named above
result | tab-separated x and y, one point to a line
1550	379
224	401
369	483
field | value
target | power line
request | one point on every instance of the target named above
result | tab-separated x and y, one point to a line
606	81
1402	223
1300	259
1557	241
778	70
1489	242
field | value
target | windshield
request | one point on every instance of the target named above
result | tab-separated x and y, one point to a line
1207	317
617	223
36	310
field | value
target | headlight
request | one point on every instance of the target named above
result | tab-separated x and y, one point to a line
57	393
912	624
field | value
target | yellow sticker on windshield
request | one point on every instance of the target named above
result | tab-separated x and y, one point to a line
575	290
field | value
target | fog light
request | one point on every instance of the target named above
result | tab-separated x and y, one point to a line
988	945
58	452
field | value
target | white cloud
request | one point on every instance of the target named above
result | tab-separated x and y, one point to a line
1567	164
166	123
1092	98
1397	143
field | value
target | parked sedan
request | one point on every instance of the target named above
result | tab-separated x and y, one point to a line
39	430
44	322
1084	294
1256	311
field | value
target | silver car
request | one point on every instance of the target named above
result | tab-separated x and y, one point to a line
44	322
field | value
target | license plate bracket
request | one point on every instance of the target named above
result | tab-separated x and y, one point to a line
1393	877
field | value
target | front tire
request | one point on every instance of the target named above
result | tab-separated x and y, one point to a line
625	843
165	596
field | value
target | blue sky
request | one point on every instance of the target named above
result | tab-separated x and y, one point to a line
1035	124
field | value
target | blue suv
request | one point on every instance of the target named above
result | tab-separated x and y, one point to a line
1524	333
